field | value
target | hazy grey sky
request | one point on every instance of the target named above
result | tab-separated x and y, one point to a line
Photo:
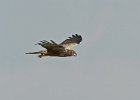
108	63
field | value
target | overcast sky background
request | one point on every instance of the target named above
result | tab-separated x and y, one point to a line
108	63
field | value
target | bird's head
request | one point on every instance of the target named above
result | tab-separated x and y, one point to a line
73	53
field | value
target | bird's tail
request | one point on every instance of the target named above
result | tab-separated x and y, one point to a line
34	52
44	52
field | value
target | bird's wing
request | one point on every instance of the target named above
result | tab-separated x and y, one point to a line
51	46
71	42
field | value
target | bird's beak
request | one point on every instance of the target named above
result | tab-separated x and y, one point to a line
75	54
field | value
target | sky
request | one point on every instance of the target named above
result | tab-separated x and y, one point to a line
108	63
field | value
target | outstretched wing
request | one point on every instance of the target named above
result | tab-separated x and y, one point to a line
51	46
71	41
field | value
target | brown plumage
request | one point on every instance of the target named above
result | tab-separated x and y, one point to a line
63	49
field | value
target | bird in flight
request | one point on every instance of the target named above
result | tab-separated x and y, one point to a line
64	49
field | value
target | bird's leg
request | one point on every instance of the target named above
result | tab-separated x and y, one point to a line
40	56
43	53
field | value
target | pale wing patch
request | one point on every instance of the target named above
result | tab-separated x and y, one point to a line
71	41
70	46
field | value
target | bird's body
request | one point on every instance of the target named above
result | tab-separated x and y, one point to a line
63	49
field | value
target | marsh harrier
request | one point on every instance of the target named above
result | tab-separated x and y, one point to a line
63	49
